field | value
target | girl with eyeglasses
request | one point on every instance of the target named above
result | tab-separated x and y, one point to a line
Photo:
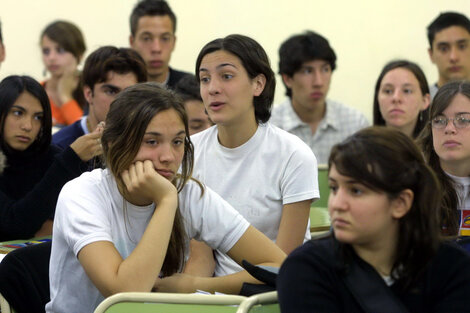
445	142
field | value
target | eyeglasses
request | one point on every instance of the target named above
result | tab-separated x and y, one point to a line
460	121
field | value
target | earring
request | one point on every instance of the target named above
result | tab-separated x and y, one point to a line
44	72
420	116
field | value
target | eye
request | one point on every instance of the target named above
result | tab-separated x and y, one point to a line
333	188
356	191
146	38
39	117
46	51
326	69
16	112
463	45
151	142
227	76
166	38
306	70
443	48
387	91
439	121
61	50
462	121
178	142
204	79
111	92
408	91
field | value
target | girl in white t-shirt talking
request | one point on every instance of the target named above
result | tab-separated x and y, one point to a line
267	174
121	228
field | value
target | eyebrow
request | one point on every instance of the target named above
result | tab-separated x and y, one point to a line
110	86
202	69
180	133
24	110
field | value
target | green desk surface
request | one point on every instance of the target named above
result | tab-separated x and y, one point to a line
128	307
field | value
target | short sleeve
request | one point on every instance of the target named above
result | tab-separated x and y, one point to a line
210	218
81	214
300	179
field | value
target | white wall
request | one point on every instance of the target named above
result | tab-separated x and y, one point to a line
365	34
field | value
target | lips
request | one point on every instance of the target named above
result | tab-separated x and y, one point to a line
168	174
339	222
156	63
396	111
23	139
216	105
454	69
316	95
451	144
53	68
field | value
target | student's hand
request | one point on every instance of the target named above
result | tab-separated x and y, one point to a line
68	82
89	145
179	283
143	182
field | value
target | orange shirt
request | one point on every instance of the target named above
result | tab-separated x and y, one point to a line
66	114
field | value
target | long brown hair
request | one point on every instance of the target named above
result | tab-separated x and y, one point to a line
450	201
126	123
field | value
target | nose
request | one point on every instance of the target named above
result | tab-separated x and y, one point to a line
156	46
214	87
396	96
454	55
26	124
317	78
450	127
166	154
337	201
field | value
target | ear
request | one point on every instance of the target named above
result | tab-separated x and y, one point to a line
2	52
258	84
431	55
426	101
88	93
287	80
402	204
131	41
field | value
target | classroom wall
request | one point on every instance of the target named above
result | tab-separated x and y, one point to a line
365	34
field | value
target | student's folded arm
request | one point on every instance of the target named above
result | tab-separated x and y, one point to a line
138	272
253	246
22	218
201	260
293	226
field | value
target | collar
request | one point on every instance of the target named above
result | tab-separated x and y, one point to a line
292	120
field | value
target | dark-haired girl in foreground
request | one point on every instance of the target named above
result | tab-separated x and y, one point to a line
384	212
121	228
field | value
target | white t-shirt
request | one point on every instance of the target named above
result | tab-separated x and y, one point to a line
271	169
90	208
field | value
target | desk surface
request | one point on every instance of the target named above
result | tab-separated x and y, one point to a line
8	246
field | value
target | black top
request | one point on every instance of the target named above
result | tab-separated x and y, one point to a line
310	280
29	187
175	76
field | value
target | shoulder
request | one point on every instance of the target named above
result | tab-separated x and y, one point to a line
348	116
290	143
204	137
279	109
175	76
88	182
67	135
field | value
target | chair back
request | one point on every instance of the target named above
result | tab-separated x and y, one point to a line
152	302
